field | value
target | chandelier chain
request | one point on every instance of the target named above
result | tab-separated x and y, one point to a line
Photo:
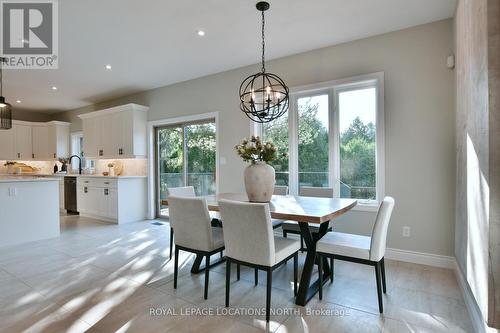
263	44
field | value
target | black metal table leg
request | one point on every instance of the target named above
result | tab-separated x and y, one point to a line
306	289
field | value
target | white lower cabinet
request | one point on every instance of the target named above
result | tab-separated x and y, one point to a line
120	199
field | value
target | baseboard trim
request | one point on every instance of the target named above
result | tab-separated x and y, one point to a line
478	322
421	258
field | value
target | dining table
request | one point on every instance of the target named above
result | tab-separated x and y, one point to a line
304	210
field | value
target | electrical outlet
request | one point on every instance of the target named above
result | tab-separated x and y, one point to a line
406	231
12	191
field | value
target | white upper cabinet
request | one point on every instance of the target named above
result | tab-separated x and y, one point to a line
35	141
118	132
7	144
23	144
40	138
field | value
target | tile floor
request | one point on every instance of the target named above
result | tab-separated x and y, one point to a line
100	277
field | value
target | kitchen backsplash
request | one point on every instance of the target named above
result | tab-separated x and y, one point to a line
131	167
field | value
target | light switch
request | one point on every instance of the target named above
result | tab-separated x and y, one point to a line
223	160
12	191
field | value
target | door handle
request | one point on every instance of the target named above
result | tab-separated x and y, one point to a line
32	155
18	155
85	190
106	191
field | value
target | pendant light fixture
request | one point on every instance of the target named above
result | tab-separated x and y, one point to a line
5	108
263	96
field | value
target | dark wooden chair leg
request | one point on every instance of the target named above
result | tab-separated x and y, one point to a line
207	271
379	288
176	262
221	254
238	272
171	240
228	280
295	272
268	292
320	275
256	276
382	265
331	269
301	243
285	234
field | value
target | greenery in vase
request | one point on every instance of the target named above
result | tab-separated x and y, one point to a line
254	150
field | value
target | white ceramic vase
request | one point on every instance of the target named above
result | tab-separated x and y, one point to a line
259	182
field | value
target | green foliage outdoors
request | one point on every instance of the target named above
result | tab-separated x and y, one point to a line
357	152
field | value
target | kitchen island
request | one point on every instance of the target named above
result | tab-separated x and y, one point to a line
29	209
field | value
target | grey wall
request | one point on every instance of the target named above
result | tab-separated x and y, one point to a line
419	123
30	115
478	152
494	159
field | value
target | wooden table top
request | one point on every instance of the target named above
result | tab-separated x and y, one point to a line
289	207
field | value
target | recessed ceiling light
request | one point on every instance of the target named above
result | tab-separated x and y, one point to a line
53	88
18	101
108	67
200	33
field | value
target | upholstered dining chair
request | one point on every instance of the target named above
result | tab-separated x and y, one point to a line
249	239
359	249
292	227
279	190
184	191
193	231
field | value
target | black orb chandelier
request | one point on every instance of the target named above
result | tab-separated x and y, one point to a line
263	96
5	108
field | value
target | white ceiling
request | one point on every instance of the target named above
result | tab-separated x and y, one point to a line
154	43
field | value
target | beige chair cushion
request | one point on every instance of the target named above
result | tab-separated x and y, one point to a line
248	234
342	244
284	248
191	222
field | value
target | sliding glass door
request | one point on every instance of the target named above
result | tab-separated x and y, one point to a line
185	156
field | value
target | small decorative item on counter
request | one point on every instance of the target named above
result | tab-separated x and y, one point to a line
118	167
56	169
105	173
64	162
111	169
10	166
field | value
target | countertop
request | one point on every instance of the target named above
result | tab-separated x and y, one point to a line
58	175
26	178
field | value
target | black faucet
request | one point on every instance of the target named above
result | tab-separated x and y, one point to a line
79	163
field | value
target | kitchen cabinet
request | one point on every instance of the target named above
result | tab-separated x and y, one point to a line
35	141
113	199
7	144
118	132
40	137
23	144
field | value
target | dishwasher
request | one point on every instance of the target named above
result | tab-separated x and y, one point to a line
70	195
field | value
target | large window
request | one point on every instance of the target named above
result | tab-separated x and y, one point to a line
313	140
277	132
186	156
334	136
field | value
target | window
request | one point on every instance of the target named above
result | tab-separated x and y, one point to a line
313	140
277	132
334	135
357	121
77	149
186	156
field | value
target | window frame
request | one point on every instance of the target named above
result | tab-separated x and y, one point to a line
152	167
333	88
